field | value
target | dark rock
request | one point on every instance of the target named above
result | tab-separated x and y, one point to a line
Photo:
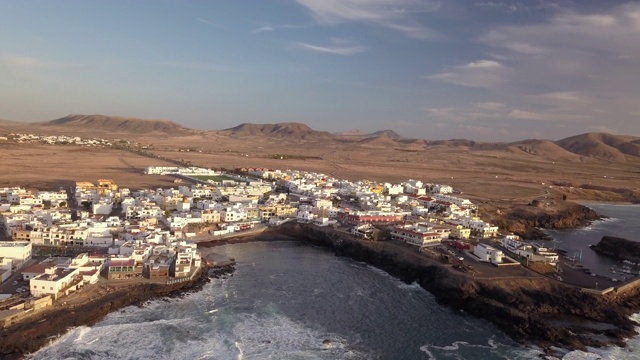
527	222
618	248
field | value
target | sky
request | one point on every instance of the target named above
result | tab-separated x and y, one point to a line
481	70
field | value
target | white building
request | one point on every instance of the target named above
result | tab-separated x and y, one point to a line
418	234
53	282
16	250
102	207
487	253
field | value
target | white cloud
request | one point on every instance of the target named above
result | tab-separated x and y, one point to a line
528	115
491	106
477	74
508	7
262	29
573	66
337	47
609	32
210	23
544	116
392	14
563	97
440	112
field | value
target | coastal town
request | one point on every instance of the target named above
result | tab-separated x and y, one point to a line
59	242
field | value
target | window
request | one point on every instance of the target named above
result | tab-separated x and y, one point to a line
51	288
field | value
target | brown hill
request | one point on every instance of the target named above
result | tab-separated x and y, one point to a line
544	148
119	124
464	143
381	141
295	131
388	133
602	145
354	132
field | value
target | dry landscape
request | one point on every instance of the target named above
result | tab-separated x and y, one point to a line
594	166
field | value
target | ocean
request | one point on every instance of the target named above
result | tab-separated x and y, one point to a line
290	300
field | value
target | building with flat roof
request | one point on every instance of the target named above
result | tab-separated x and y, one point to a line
54	282
488	253
16	250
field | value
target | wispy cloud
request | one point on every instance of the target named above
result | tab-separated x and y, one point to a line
191	65
510	7
562	97
501	113
573	64
477	74
337	47
540	116
33	63
210	23
262	29
392	14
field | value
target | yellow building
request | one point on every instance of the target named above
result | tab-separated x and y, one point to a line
460	232
106	185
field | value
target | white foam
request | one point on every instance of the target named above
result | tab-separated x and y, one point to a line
425	349
413	286
492	347
580	355
183	330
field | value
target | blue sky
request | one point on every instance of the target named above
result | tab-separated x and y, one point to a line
483	70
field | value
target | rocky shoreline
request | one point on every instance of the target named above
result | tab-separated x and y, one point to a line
536	311
528	221
618	248
37	331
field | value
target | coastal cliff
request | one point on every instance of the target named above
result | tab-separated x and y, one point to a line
535	310
526	221
37	331
618	248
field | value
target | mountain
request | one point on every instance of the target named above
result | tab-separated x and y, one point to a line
544	148
602	145
382	141
295	131
592	145
119	124
388	133
354	132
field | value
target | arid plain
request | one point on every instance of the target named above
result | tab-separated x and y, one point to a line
589	167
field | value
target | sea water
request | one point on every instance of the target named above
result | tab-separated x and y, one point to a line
289	300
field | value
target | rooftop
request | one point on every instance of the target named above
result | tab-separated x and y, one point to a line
122	262
14	243
58	274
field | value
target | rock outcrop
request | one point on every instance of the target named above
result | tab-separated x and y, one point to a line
534	310
526	221
618	248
